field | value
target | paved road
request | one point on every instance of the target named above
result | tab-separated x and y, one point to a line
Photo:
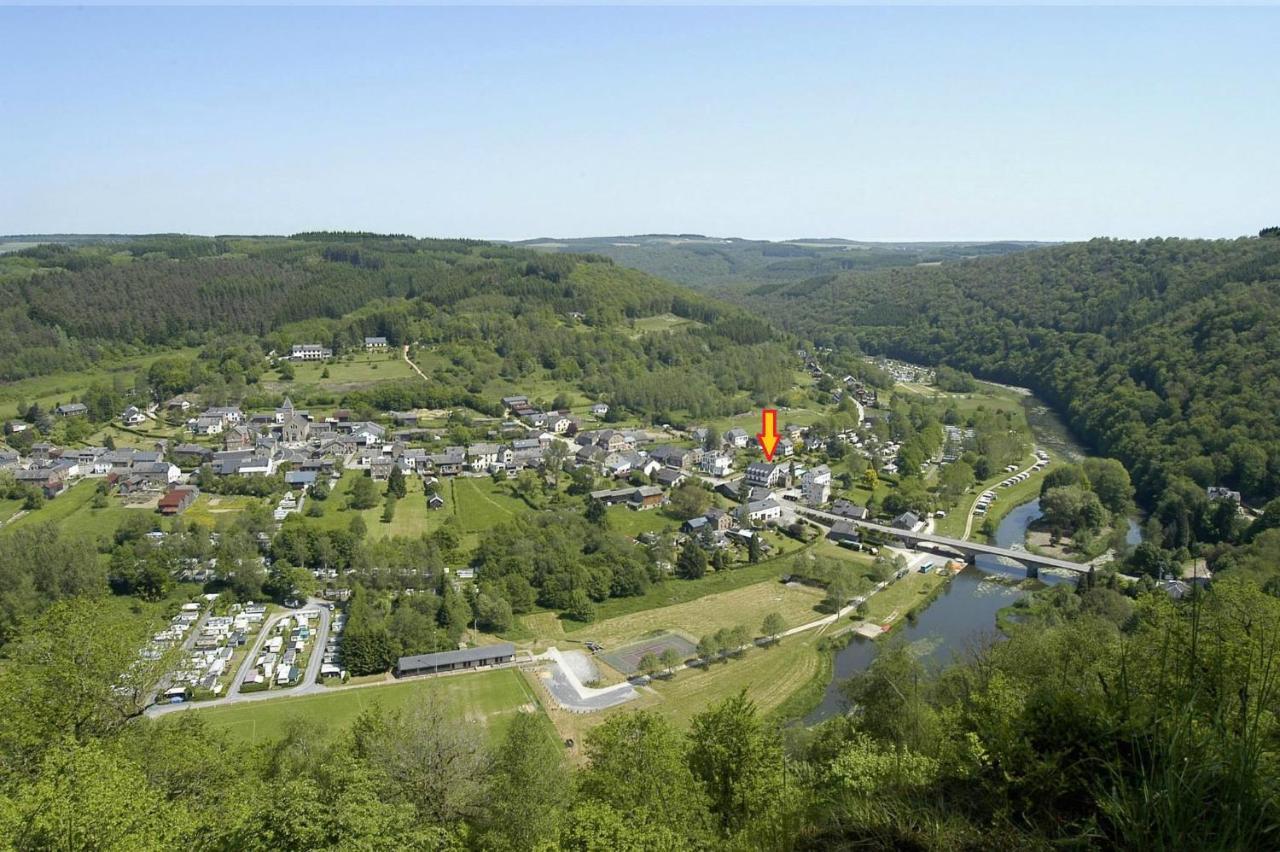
235	696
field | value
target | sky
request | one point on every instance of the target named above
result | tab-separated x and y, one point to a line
770	123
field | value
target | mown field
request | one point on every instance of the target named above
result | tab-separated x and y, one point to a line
745	606
489	699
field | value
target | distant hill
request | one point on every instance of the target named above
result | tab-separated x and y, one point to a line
502	311
1162	353
728	264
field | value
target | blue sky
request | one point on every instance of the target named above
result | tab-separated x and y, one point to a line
866	123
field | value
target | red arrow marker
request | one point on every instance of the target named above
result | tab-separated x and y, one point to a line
768	435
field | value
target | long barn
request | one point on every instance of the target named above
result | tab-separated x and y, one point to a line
450	661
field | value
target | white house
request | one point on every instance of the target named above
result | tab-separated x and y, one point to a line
599	409
716	464
133	416
737	438
815	485
206	425
309	352
761	511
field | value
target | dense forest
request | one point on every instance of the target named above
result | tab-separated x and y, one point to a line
724	265
493	310
1164	354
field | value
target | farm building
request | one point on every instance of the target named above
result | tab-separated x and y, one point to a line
449	661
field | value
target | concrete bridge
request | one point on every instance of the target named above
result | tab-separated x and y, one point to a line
968	549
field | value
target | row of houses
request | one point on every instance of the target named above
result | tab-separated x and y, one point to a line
53	469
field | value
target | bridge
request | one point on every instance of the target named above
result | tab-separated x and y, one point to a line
969	549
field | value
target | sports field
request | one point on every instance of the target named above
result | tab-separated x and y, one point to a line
627	658
486	698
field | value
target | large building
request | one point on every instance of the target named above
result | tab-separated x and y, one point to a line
450	661
815	485
763	474
310	352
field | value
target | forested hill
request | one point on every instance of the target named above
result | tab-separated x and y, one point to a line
1163	353
723	265
65	307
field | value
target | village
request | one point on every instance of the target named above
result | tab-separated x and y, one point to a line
222	651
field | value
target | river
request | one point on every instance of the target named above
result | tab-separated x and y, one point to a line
964	613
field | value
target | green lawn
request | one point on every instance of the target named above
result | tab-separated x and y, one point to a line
1009	498
361	369
660	323
673	591
632	523
487	698
412	518
72	511
209	509
953	524
480	503
8	508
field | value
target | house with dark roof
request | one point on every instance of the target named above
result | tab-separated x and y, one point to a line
372	343
72	409
763	474
678	457
452	661
669	477
842	531
907	521
760	511
845	509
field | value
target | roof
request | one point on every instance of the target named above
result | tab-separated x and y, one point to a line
450	658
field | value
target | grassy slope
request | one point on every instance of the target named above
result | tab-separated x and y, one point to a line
60	387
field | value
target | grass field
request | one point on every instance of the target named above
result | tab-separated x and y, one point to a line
746	606
674	591
8	508
362	370
953	524
486	698
72	511
210	509
480	503
1009	498
631	523
660	323
902	596
60	387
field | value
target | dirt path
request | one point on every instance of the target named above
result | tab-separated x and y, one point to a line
405	352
